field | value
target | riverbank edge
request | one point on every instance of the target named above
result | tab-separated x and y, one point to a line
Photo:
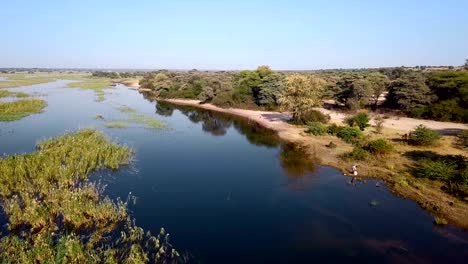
427	194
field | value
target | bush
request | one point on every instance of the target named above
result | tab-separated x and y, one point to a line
379	146
316	128
334	129
361	120
312	116
436	170
423	136
357	153
349	134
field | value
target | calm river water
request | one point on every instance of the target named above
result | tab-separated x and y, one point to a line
229	192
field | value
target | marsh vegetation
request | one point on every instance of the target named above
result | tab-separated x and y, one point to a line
11	111
55	214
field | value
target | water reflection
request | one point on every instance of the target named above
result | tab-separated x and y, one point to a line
164	109
294	160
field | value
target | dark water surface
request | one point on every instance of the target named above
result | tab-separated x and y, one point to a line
229	192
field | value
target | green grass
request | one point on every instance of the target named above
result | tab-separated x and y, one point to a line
149	122
98	85
10	111
5	93
117	124
55	215
26	79
22	79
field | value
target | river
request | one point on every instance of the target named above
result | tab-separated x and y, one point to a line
230	192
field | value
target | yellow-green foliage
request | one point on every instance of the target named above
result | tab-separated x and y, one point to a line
150	122
10	111
6	93
55	215
116	124
98	85
22	79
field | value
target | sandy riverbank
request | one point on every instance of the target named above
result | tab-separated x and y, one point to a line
427	194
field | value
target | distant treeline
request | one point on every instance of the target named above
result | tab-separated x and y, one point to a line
117	75
439	95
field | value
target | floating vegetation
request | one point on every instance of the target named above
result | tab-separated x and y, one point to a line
149	122
117	124
5	93
99	117
126	109
98	85
10	111
55	215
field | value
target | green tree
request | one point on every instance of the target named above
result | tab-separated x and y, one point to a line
263	71
357	93
379	85
245	84
301	94
269	90
408	93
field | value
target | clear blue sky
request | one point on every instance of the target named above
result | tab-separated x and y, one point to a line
292	34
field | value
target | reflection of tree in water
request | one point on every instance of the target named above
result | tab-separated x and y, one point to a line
212	123
295	160
216	127
256	134
164	109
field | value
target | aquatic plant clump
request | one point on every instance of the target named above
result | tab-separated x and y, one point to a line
55	215
98	85
150	122
116	125
10	111
126	109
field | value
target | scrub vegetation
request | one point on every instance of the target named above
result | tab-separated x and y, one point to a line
417	92
11	111
56	215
